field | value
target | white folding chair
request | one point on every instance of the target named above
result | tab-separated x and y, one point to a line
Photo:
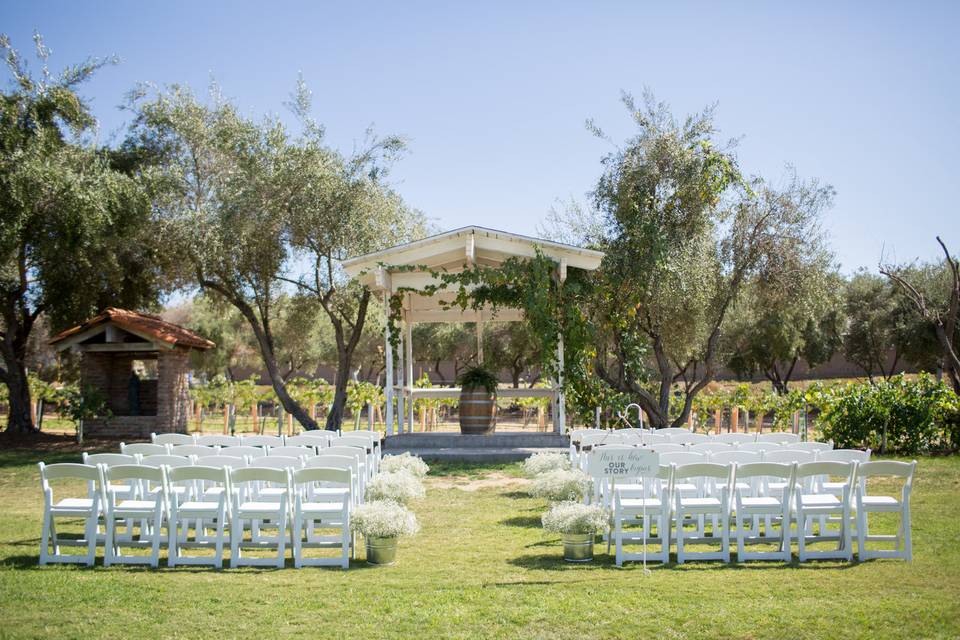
330	512
707	448
780	437
645	501
88	509
714	502
697	438
735	438
652	438
198	450
171	438
332	461
249	506
208	506
673	431
169	461
768	507
244	451
871	503
143	449
758	447
319	438
127	490
262	441
361	456
149	509
822	505
363	440
215	440
667	447
376	439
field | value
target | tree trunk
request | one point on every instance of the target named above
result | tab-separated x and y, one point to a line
18	410
345	350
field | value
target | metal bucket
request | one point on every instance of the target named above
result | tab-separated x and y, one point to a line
381	550
578	547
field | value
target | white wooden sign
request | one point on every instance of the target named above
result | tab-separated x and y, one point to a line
623	463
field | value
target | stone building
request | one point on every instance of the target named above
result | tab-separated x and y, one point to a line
140	365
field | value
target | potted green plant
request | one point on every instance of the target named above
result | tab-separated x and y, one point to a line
382	523
577	525
478	401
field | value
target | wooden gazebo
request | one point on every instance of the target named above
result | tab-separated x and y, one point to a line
396	268
140	364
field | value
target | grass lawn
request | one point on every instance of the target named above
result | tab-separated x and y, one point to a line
483	568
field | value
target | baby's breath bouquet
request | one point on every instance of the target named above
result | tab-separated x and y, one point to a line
561	485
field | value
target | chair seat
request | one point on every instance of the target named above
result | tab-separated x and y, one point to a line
760	502
685	487
74	504
329	492
834	487
195	506
700	503
819	500
255	506
134	507
311	508
272	492
880	501
640	503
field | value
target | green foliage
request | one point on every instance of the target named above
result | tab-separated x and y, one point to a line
479	377
900	415
78	405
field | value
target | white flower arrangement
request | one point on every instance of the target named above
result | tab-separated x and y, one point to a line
575	518
562	485
383	519
414	464
397	486
545	461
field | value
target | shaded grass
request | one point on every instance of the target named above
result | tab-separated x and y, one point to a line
483	568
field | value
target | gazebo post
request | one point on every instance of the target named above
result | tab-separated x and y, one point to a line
560	421
401	368
409	381
389	358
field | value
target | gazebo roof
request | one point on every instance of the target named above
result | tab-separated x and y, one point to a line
151	330
388	270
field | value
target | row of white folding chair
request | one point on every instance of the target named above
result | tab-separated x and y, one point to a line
660	502
680	436
234	502
579	458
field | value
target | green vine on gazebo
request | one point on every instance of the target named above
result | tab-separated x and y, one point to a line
551	308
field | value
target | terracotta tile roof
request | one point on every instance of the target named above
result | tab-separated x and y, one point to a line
145	324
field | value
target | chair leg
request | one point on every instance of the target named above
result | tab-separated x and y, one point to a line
345	542
299	528
45	538
173	549
907	538
236	530
740	535
801	536
91	533
221	528
108	549
281	541
680	557
157	529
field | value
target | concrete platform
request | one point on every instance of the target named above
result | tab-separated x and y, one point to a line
506	446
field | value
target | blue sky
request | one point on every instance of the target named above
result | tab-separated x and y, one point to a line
493	96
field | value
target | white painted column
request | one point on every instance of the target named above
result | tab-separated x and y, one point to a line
409	336
401	413
560	421
388	384
479	325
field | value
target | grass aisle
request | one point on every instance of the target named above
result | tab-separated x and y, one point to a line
483	568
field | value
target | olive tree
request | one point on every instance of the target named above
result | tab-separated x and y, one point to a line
684	234
75	226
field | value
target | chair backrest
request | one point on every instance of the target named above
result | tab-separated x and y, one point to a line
109	459
603	437
166	461
355	452
788	456
783	437
291	452
808	469
696	438
703	470
735	437
134	472
844	455
259	474
666	447
710	447
219	440
735	456
577	434
326	475
672	430
891	468
222	462
194	450
333	461
68	471
371	436
205	473
766	470
320	437
276	462
143	449
655	438
682	457
262	441
244	451
812	446
758	447
315	442
171	438
679	437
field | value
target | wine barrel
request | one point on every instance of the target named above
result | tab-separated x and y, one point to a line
478	411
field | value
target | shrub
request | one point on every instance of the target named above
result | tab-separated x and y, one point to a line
545	461
383	519
405	462
899	416
561	485
575	517
479	377
397	486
